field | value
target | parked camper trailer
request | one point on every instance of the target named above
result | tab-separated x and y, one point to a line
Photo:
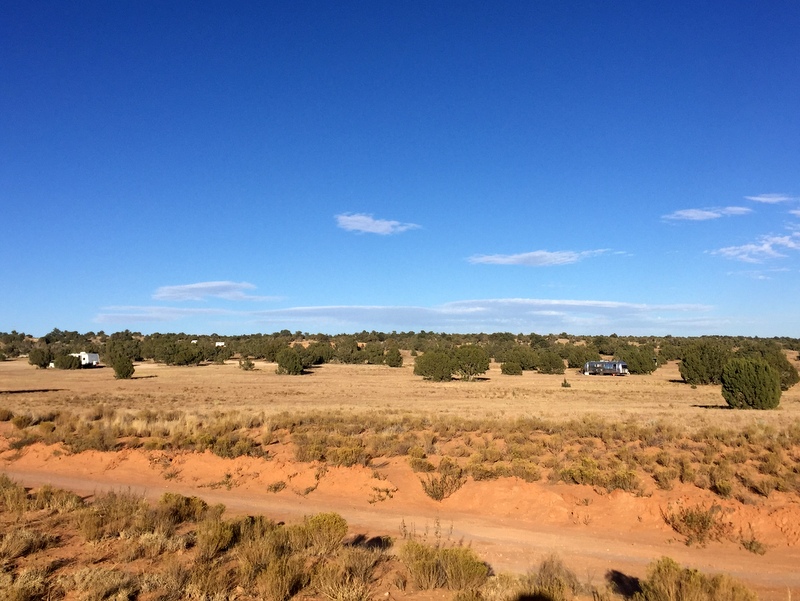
87	359
605	368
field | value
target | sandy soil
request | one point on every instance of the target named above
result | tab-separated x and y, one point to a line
510	523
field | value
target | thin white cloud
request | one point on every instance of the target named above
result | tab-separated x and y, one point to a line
767	247
147	314
795	212
202	290
488	315
538	258
770	198
361	222
706	214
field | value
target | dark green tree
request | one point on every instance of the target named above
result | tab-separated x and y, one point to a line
393	357
773	354
40	356
289	362
509	368
67	362
436	365
123	367
640	359
751	384
348	351
578	355
471	360
703	362
549	362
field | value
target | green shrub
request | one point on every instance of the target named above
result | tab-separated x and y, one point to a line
435	365
67	362
289	362
246	364
751	384
40	357
511	369
639	359
772	353
549	362
393	357
703	362
123	367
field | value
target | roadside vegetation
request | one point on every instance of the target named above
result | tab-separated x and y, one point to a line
741	464
182	548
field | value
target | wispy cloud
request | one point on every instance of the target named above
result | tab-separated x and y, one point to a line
795	212
361	222
538	258
770	198
200	291
763	274
488	315
767	247
148	314
706	214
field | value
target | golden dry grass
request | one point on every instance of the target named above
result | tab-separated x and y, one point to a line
363	388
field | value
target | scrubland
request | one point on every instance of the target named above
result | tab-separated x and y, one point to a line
646	461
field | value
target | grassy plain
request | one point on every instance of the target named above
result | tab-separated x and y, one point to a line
531	464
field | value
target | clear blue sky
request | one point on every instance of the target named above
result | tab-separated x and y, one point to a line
533	166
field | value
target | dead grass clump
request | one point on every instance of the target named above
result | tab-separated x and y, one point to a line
210	581
214	535
5	414
97	583
13	496
551	580
28	585
56	500
281	579
112	514
20	542
699	524
178	508
668	581
336	582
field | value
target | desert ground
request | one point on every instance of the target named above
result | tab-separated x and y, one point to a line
511	523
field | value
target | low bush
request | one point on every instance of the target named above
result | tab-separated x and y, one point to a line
699	524
511	368
325	532
668	581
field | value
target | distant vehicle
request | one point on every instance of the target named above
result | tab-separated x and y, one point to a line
605	368
87	359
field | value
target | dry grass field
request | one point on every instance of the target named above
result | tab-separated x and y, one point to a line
610	473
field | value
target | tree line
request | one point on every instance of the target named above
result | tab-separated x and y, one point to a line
439	356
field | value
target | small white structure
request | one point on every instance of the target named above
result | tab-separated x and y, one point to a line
219	344
87	359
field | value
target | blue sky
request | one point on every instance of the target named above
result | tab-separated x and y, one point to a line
543	166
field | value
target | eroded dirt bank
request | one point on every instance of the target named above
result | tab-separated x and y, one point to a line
509	522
